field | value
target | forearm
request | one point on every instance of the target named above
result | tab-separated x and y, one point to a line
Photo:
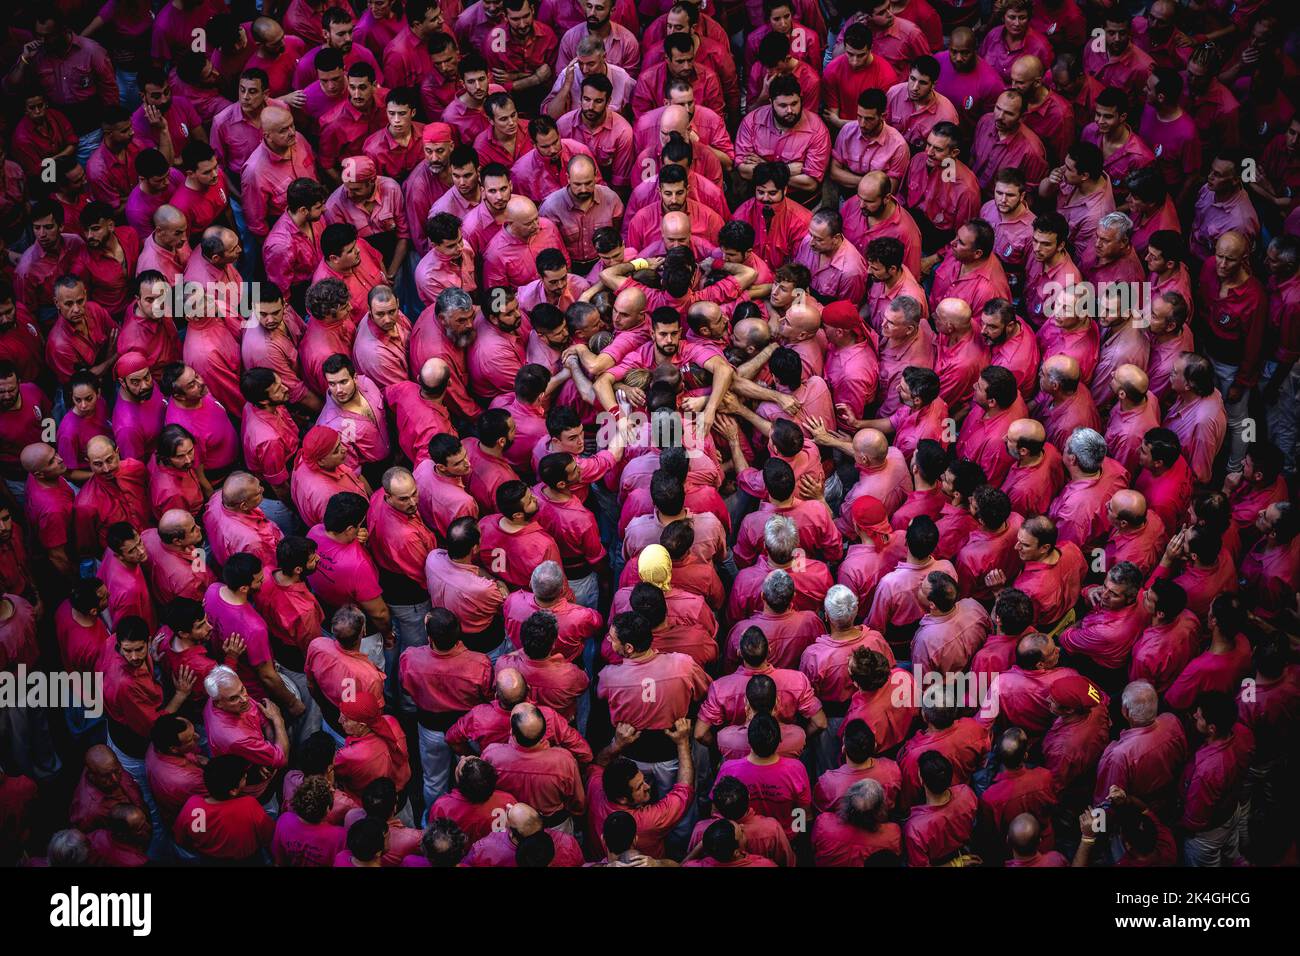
685	763
604	388
755	365
752	391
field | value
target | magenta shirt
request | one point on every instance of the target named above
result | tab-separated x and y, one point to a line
241	619
346	574
215	438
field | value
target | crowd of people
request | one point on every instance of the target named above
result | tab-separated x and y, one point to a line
649	433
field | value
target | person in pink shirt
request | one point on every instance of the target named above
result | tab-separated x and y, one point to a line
970	270
951	631
292	247
1197	415
347	573
234	522
457	582
1003	140
937	828
778	785
1170	638
236	725
87	417
991	545
1106	635
174	568
1169	130
1037	472
320	473
1013	38
996	405
303	835
165	249
116	491
1011	344
1084	196
207	420
475	804
281	158
1093	477
1136	534
914	107
895	606
1166	479
354	407
48	504
966	78
1135	412
176	477
1053	573
1148	757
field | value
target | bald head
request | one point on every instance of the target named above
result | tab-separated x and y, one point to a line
434	374
1232	243
37	458
952	316
1062	373
523	820
1026	70
581	165
510	687
527	724
1026	429
1129	506
101	760
1023	834
676	224
674	119
100	446
873	185
962	36
169	217
239	489
870	446
266	30
803	321
276	118
1131	383
399	481
174	523
630	300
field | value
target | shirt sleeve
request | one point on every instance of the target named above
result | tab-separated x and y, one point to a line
817	155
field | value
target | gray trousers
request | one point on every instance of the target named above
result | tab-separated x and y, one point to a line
1283	414
1237	414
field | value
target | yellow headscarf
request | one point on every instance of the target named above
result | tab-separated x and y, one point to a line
656	567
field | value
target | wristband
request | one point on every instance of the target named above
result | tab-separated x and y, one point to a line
639	264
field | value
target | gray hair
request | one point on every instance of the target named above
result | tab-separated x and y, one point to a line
1117	220
589	45
546	581
908	308
1088	448
862	802
1140	703
349	619
217	678
780	538
778	590
1128	575
452	299
68	848
841	606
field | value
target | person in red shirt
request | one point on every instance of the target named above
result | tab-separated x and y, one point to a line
225	825
937	831
1016	789
528	766
857	830
617	783
1023	840
476	805
444	680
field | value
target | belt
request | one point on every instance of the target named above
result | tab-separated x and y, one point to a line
552	820
439	720
836	708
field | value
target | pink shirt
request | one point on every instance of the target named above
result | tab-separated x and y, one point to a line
266	178
215	438
914	121
346	573
471	595
983	438
1201	423
676	678
230	532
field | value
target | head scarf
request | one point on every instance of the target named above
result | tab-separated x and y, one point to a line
656	567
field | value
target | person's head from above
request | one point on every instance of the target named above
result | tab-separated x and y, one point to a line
1140	703
936	773
527	725
1037	652
443	630
226	690
509	687
475	779
242	492
902	320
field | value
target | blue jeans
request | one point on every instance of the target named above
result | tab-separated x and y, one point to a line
87	144
586	591
280	515
408	631
128	89
435	760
